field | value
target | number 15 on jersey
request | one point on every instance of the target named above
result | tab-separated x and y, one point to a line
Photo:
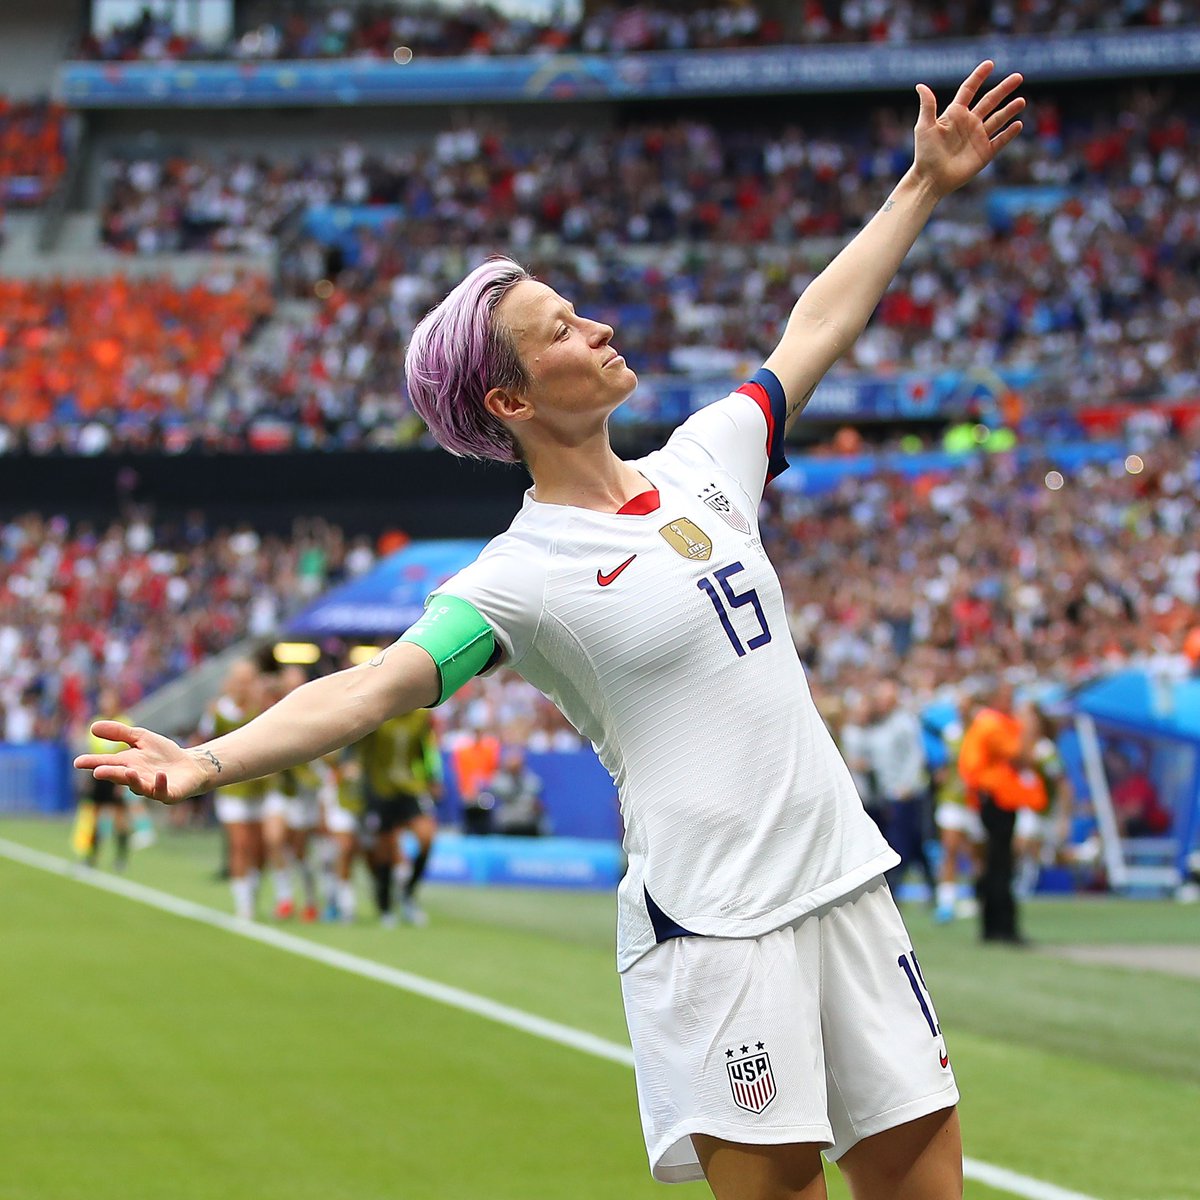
724	598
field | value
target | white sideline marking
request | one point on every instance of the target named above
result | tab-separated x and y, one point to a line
997	1177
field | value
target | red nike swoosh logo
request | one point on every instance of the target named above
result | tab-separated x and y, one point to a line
604	580
944	1058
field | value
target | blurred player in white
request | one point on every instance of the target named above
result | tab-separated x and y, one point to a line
774	1002
239	803
290	814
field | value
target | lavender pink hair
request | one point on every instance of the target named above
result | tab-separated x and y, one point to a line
457	354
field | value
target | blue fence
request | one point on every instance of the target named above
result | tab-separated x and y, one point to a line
814	69
555	862
579	795
36	777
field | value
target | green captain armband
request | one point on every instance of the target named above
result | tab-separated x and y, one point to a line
454	634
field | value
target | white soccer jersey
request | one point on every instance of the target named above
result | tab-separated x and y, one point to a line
662	636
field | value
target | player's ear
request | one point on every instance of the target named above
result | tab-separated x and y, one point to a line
507	404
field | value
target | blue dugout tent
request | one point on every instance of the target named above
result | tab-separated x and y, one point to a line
387	599
1134	721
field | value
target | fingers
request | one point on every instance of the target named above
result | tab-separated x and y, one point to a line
113	731
928	111
1005	136
997	121
970	86
996	96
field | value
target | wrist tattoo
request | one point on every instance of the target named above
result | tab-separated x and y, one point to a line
888	205
212	758
800	404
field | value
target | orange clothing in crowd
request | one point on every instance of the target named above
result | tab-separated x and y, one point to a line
987	762
107	346
475	762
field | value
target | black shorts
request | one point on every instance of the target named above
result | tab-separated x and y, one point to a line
106	794
394	812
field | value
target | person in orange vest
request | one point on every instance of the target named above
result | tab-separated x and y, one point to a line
475	758
996	765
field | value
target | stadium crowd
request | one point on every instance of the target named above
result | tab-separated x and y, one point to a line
693	242
956	577
33	151
375	30
934	582
91	364
138	603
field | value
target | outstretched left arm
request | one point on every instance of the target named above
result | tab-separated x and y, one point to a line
949	151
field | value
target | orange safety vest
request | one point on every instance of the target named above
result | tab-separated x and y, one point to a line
985	762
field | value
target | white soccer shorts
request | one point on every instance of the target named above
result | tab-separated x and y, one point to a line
340	820
821	1031
275	804
238	810
303	811
959	816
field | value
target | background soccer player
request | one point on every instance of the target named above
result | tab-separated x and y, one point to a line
638	597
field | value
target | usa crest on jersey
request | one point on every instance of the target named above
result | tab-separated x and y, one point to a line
752	1081
725	509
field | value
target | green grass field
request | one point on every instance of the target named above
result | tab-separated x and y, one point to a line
148	1055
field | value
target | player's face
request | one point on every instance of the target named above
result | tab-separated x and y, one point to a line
571	362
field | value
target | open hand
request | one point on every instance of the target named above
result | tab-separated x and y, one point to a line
153	766
953	148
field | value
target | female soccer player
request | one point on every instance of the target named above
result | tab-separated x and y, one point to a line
774	1002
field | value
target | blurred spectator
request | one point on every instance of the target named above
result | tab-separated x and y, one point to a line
1139	812
516	792
896	752
475	758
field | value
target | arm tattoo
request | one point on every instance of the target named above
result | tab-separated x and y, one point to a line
798	405
888	205
212	758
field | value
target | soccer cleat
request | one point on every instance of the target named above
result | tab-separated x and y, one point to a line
943	914
284	910
308	914
413	913
387	920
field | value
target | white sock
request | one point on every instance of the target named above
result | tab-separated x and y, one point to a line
308	883
1028	870
282	884
243	898
401	874
947	894
347	899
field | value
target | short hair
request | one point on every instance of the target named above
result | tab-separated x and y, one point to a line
457	354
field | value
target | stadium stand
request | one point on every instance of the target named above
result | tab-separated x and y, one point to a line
697	280
87	362
314	30
933	581
138	603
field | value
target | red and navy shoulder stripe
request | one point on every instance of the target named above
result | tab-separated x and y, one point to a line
766	391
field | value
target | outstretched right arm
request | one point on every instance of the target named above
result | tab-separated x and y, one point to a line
315	719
